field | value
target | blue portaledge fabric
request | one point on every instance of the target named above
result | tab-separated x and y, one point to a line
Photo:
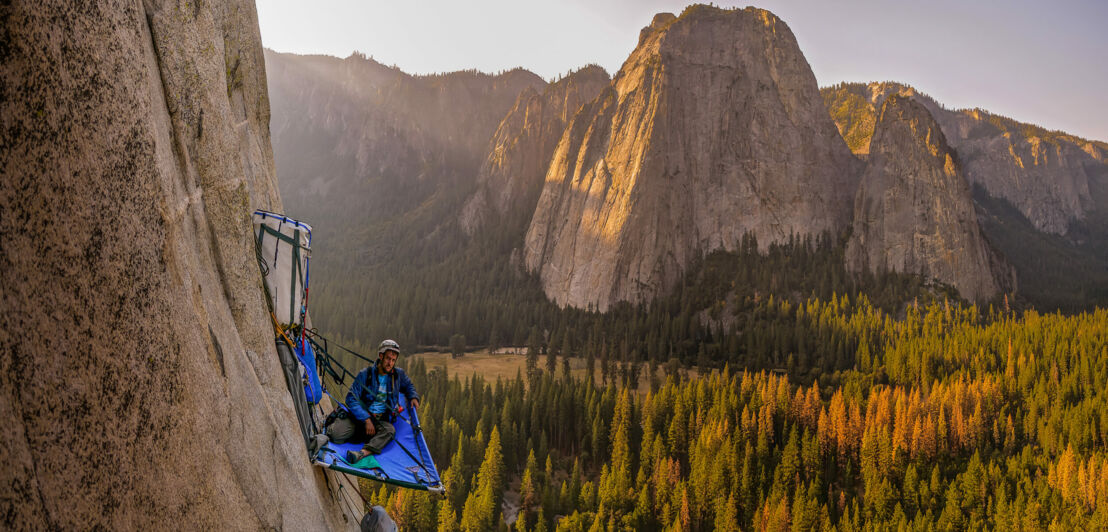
395	466
313	389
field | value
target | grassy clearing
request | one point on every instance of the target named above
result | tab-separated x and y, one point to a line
491	367
507	366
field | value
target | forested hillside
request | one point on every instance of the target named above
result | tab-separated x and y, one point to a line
738	308
950	418
1055	272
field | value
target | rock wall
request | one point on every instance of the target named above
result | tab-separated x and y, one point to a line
139	384
914	213
511	177
712	129
1047	175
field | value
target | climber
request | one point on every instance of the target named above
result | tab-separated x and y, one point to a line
373	402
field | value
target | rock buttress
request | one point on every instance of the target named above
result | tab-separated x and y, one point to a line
511	177
713	128
914	213
139	385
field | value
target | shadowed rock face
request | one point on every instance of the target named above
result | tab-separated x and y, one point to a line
139	385
713	128
519	153
1045	174
914	213
357	140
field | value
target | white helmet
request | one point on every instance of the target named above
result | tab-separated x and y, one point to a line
388	345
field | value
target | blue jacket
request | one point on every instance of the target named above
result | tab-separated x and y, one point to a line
361	392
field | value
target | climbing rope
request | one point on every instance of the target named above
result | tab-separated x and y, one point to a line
280	331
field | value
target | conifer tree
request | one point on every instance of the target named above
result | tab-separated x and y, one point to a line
540	523
616	487
532	352
494	339
590	365
551	361
481	509
448	519
527	488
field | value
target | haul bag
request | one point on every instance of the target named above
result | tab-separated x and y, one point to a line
284	246
293	380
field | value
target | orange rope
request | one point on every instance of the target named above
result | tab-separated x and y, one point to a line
281	331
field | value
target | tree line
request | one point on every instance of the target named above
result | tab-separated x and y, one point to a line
945	418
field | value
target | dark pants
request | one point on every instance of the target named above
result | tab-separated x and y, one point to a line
352	430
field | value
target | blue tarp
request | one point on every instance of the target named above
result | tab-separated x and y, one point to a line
405	461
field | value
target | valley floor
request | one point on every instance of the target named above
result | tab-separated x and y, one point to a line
493	366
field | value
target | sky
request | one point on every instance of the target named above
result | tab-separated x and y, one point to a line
1040	62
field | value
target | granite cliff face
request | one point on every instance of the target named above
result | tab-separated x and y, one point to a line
713	128
519	153
1047	175
139	384
914	212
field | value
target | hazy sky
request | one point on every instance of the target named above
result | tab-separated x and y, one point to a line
1039	62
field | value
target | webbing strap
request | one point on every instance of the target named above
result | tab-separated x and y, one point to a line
413	421
295	277
412	456
281	236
